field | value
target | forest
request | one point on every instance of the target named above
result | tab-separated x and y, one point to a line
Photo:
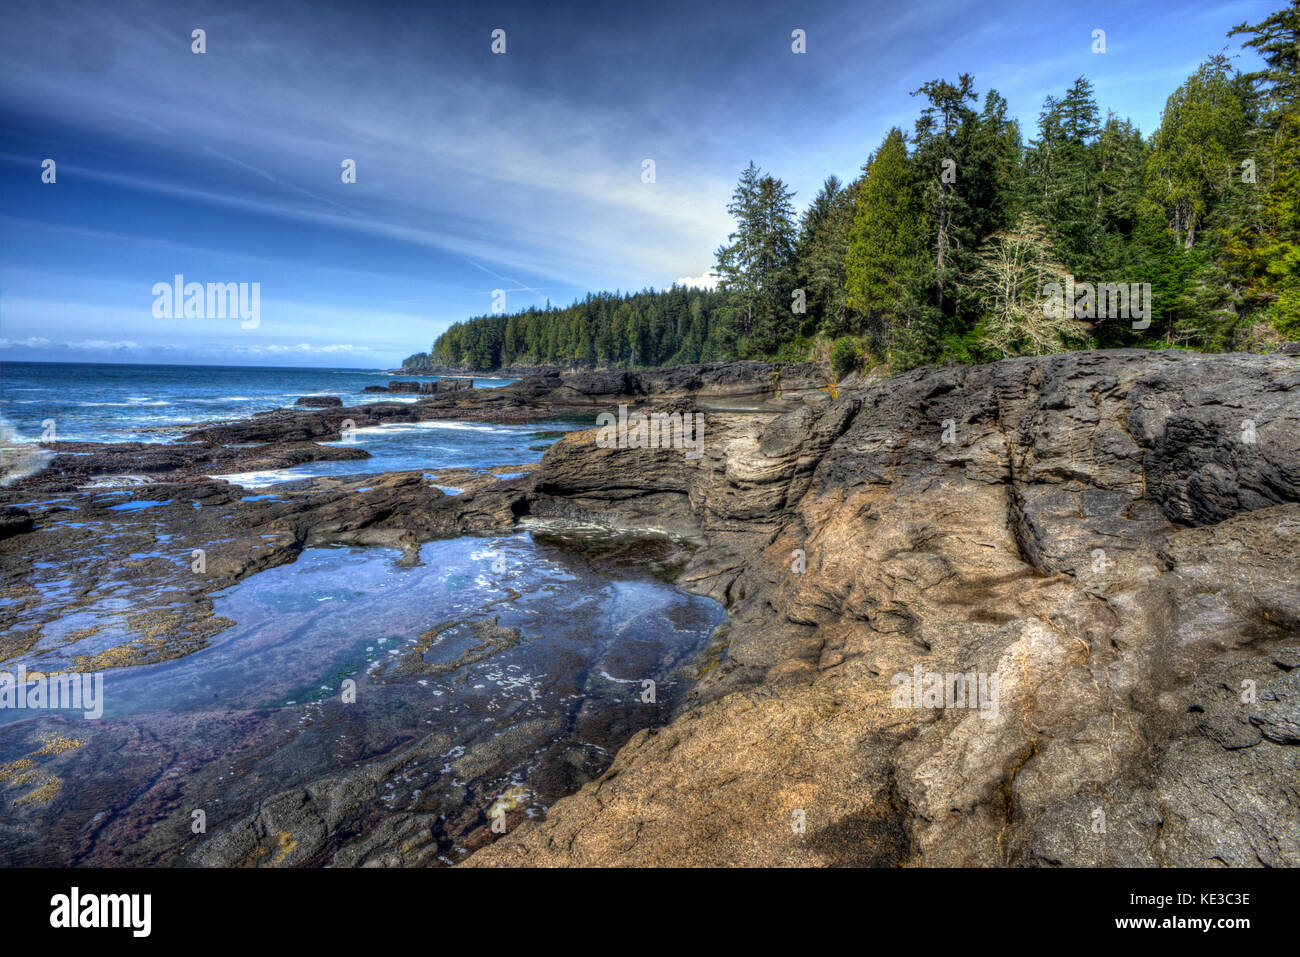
958	235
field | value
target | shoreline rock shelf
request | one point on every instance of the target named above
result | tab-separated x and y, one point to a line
1111	540
1114	535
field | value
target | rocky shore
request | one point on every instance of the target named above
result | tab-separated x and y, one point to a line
1109	542
1114	536
282	438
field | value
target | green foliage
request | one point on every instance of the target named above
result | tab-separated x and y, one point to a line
846	356
420	360
1276	88
885	242
941	249
1196	150
919	342
756	266
819	258
672	327
1264	246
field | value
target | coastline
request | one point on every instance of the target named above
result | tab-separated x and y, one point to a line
976	554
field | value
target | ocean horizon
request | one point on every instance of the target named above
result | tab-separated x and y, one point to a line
46	402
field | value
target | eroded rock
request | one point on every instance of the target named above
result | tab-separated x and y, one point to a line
1114	537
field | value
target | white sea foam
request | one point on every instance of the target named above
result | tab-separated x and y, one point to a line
265	478
461	426
18	457
134	403
115	481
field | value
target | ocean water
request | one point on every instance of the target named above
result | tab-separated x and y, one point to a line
156	403
495	672
527	663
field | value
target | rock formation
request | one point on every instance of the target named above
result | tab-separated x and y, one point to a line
1094	558
1111	540
320	401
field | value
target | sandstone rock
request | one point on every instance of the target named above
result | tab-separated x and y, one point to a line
1099	532
1100	540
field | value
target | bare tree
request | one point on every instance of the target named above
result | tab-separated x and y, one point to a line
1014	268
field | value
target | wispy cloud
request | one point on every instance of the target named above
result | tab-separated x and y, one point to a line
526	165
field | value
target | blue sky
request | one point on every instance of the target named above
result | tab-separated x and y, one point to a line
475	171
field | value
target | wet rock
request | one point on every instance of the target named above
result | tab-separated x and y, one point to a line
14	521
448	384
320	401
75	464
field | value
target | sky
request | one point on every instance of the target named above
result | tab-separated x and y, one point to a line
523	171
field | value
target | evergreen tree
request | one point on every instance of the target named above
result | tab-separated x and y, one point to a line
819	257
886	241
938	157
1064	171
931	253
1194	153
1276	39
756	268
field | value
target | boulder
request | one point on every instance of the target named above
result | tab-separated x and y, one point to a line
14	521
320	401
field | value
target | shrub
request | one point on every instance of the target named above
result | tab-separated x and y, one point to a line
846	356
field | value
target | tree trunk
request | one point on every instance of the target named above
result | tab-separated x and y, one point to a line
943	233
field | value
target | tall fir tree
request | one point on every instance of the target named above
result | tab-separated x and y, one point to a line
886	241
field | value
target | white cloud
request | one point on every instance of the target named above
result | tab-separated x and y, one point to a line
306	348
541	168
104	345
706	280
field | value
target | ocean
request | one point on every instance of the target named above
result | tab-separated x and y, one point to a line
89	402
478	672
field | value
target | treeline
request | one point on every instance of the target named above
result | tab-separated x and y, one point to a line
958	235
647	328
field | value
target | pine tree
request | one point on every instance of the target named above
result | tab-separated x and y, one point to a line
735	267
938	155
756	267
1265	251
1194	153
820	254
1264	248
885	243
1277	40
1064	171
